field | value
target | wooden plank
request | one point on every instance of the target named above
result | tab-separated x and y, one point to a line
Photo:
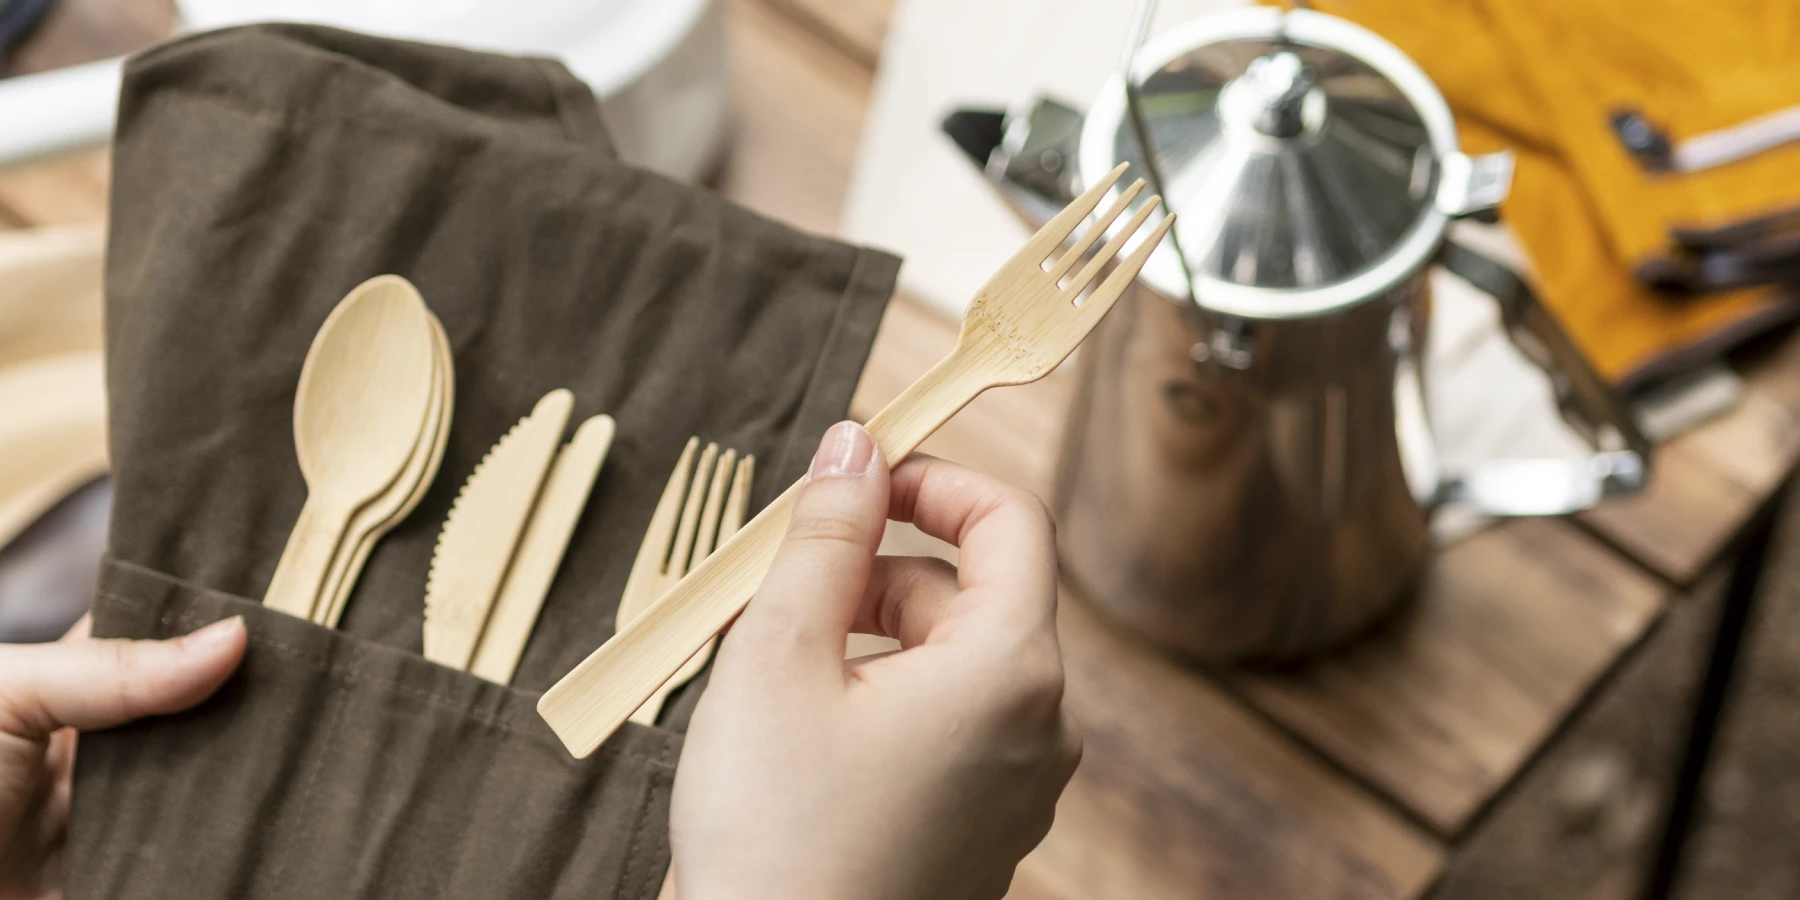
856	27
1586	819
1707	482
1442	706
797	106
1182	794
1743	846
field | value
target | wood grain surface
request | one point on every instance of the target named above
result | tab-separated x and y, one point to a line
1744	846
1584	821
1445	703
797	107
1706	483
1182	793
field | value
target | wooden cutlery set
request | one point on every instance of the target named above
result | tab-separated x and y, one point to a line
373	409
372	416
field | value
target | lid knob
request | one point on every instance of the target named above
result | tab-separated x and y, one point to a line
1277	95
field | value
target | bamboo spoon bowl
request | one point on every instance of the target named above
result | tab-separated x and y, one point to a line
380	515
359	412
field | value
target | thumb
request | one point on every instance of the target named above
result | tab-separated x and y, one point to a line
808	599
102	683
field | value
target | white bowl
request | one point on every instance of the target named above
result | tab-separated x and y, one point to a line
658	66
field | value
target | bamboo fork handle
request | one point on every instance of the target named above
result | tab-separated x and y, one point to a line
902	425
595	698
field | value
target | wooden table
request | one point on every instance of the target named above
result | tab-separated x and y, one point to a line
1516	732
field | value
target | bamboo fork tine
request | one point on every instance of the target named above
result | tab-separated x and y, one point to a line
1074	254
1051	236
1115	284
715	522
690	519
1112	248
737	506
643	584
709	517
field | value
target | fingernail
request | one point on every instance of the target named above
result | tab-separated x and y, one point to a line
213	636
846	450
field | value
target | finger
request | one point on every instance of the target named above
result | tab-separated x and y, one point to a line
1072	748
61	756
803	610
1006	536
98	684
905	598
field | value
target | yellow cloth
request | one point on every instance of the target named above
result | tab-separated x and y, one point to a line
1544	77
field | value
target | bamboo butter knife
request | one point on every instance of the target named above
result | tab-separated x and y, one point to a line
1022	324
541	550
475	548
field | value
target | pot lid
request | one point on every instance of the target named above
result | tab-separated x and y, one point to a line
1312	163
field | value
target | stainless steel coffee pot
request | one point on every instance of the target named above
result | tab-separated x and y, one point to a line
1248	471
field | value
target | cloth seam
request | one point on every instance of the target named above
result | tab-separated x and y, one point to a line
311	783
345	674
575	123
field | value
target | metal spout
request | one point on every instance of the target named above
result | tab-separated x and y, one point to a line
1028	153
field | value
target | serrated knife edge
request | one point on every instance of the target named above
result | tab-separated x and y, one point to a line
483	529
540	551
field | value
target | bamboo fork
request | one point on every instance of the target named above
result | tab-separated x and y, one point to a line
720	519
670	547
1027	319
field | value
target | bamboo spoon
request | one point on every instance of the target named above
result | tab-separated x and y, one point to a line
1021	325
375	520
362	403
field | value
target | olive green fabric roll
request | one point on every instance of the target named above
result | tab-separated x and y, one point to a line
260	174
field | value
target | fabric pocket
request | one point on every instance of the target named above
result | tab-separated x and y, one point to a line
332	767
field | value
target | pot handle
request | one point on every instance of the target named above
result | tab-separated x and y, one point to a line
1526	487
